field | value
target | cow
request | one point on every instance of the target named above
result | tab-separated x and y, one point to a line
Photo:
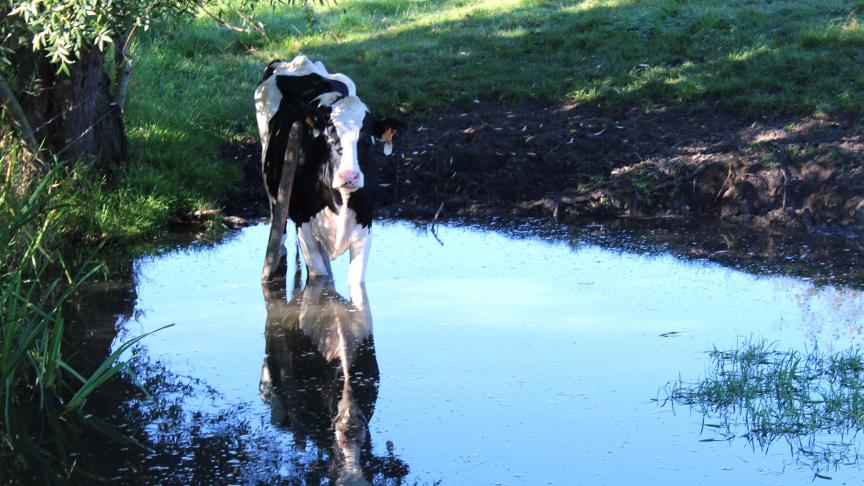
316	136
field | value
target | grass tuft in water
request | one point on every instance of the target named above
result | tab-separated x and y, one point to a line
813	401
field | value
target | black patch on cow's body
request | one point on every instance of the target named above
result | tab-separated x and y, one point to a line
298	93
305	89
280	128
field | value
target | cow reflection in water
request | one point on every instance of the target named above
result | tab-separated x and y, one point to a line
320	376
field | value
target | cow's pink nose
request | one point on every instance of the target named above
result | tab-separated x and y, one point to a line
348	179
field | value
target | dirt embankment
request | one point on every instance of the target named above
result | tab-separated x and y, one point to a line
576	163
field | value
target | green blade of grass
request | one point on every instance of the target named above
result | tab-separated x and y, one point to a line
104	372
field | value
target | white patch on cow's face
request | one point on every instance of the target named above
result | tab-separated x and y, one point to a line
347	117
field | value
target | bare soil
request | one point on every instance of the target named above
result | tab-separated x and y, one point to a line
579	163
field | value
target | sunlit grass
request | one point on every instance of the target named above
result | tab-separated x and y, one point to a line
181	110
761	58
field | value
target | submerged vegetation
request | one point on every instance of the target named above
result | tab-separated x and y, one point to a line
811	401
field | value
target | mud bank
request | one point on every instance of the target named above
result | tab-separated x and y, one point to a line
577	163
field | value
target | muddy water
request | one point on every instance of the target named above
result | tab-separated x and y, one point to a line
476	357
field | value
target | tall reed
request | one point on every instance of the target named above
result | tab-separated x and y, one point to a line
42	398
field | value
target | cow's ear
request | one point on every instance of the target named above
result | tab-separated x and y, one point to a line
270	69
381	127
387	129
316	118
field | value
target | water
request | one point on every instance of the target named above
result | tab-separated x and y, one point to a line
490	359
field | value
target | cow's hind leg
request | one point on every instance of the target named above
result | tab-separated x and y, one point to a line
279	209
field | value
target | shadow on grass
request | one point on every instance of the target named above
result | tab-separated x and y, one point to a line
759	58
192	88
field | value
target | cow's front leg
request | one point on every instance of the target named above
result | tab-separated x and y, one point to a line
359	254
316	258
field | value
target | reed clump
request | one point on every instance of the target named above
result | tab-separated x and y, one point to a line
811	400
42	398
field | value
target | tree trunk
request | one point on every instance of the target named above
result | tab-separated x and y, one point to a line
73	116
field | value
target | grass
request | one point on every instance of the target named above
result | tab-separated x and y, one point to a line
179	115
764	57
42	398
191	88
812	401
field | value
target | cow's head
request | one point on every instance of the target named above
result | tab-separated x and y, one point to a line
302	90
350	131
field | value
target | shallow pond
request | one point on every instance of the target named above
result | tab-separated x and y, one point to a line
494	358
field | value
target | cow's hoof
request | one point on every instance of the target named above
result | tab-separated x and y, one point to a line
268	276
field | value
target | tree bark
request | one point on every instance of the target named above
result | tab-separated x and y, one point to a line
73	116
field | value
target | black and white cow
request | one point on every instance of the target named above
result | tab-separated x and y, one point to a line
316	137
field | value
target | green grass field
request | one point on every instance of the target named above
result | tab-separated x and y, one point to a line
192	86
791	57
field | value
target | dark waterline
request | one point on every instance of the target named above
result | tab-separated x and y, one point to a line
501	357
